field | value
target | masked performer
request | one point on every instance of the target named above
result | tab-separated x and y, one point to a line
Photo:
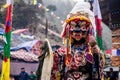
74	60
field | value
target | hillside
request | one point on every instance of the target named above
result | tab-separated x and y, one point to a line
27	15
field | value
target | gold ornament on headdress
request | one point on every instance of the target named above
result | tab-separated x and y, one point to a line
77	17
81	15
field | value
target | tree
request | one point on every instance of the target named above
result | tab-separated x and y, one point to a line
25	14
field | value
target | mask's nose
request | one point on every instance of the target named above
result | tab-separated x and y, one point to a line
76	30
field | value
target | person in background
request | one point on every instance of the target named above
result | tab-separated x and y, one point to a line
32	76
23	75
12	77
112	75
118	73
98	61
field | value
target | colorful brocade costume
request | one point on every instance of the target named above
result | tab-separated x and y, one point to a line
78	65
73	61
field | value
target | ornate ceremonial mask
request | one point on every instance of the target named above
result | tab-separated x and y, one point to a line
77	26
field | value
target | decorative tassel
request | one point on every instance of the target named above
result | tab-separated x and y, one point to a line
89	47
64	41
67	46
70	42
70	39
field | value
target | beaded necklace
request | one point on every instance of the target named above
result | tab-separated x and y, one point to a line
79	48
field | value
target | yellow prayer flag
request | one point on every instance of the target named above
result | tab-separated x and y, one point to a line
5	5
35	2
5	70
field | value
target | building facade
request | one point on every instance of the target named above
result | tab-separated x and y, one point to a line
110	10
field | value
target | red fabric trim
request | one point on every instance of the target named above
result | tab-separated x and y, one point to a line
98	26
108	51
5	59
8	19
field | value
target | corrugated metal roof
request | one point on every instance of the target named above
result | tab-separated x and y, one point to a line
23	55
26	45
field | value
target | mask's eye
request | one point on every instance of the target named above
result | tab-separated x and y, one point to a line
83	28
72	27
70	79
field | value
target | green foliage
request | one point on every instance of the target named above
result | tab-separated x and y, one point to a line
24	14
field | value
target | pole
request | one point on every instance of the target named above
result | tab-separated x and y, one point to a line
46	30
